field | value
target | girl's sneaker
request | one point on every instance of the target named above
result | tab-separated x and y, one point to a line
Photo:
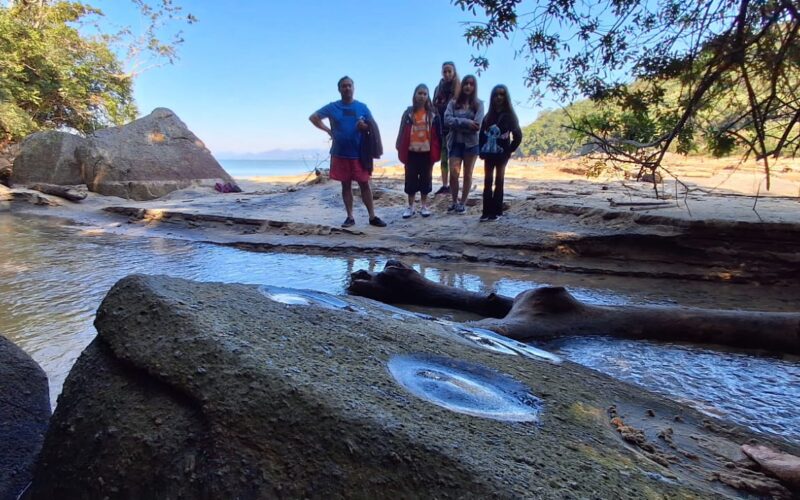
453	207
408	212
460	208
376	221
425	212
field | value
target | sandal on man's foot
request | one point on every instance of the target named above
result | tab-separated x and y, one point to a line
376	221
348	222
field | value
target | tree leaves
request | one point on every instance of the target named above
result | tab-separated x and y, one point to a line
732	68
53	77
54	73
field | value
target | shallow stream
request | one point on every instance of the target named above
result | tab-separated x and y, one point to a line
53	275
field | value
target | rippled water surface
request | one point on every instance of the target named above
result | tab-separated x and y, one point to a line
760	392
53	276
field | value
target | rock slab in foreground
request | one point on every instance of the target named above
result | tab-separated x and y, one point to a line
48	157
147	158
24	412
199	390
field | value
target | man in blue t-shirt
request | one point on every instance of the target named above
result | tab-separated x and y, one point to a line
348	119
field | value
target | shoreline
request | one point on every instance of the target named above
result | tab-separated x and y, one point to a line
556	219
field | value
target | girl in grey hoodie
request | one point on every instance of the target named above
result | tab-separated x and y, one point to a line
463	117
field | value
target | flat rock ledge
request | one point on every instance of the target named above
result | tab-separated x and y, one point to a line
24	413
203	390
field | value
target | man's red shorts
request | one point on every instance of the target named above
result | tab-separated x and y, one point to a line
348	170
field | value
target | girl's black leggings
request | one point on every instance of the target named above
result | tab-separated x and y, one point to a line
495	171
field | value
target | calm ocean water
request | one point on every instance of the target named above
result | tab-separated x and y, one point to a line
253	168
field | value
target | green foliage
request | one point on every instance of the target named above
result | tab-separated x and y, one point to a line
14	123
723	72
58	67
564	131
53	77
550	134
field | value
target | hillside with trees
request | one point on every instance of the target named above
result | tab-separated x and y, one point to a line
551	133
566	131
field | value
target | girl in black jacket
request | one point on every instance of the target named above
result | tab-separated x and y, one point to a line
500	136
447	89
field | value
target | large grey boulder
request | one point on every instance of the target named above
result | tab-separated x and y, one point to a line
148	158
48	157
203	390
24	413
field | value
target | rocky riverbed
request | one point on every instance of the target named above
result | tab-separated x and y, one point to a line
309	394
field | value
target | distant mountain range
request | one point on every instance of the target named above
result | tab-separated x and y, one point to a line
275	154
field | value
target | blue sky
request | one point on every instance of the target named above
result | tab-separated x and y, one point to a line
251	72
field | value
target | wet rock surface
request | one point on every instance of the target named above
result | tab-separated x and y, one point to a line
147	158
26	195
24	412
209	390
784	466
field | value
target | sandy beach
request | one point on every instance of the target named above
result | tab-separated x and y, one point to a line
699	188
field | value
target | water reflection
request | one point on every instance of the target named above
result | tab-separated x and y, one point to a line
53	277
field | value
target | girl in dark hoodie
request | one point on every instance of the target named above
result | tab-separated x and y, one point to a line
496	147
418	147
443	94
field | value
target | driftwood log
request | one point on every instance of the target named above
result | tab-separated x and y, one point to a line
400	284
67	192
549	312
